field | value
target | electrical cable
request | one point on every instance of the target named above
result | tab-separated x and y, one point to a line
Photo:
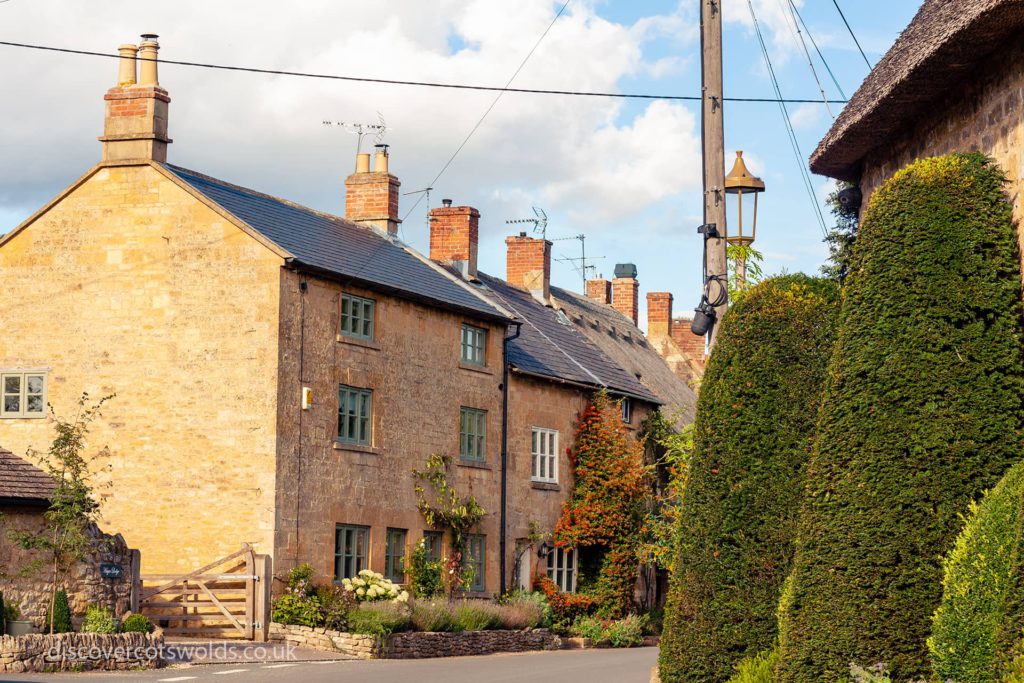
852	35
791	23
805	174
807	30
426	84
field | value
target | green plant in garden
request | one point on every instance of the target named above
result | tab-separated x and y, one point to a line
425	574
841	237
478	615
981	615
444	509
58	619
757	668
136	623
922	413
370	586
671	452
99	620
380	618
754	433
74	506
299	605
753	272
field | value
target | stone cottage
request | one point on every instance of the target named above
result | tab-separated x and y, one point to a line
279	371
953	81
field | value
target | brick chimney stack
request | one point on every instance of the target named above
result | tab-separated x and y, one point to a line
600	290
659	314
371	197
454	235
135	123
528	265
626	291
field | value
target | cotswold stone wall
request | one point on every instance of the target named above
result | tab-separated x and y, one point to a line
81	651
84	585
415	645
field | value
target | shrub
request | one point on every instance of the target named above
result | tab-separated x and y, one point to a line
369	586
565	607
628	631
424	573
11	611
758	668
335	605
296	609
474	615
922	413
588	627
99	620
61	615
754	434
379	618
432	615
136	623
525	610
980	616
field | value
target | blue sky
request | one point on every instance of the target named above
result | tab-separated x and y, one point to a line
625	173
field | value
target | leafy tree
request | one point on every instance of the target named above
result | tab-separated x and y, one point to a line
671	451
922	413
754	433
752	271
74	505
841	237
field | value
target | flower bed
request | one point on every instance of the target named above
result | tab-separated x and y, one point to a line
81	652
417	645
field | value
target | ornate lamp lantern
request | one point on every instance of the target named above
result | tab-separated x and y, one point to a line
742	184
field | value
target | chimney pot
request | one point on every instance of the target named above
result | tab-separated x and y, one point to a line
147	55
446	203
126	65
380	162
363	162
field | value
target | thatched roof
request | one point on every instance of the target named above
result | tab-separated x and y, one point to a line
942	45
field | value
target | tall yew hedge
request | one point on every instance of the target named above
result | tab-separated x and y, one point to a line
921	415
754	431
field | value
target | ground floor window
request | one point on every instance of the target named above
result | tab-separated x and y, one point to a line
351	548
432	542
394	556
476	554
562	568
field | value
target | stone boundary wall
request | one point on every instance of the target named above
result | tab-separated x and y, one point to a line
81	652
417	645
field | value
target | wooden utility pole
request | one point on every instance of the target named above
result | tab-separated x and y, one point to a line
713	138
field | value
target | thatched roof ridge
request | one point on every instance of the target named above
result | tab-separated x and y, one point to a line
942	45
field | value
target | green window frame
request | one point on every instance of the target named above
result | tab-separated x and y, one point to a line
474	345
357	316
432	541
476	557
23	394
472	434
394	555
351	548
355	415
562	568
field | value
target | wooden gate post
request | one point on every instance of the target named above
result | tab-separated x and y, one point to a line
264	572
250	592
135	564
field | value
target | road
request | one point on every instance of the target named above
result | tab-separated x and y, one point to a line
587	666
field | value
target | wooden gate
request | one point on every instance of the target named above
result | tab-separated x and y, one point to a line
229	598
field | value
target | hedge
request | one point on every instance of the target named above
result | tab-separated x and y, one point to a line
753	436
981	616
921	415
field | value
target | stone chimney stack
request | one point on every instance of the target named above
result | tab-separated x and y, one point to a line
626	291
454	235
600	290
528	265
371	197
135	124
659	314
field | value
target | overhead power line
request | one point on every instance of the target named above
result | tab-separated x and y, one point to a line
807	30
793	23
425	84
852	34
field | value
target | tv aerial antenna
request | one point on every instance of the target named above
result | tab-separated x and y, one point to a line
361	130
539	221
579	263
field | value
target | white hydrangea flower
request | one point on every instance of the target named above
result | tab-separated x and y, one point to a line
360	592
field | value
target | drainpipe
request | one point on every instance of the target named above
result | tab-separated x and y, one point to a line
504	451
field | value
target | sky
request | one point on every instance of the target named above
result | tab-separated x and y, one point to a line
624	173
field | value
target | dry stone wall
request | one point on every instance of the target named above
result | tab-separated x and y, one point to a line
81	652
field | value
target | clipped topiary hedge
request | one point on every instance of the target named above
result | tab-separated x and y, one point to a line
754	431
922	414
981	616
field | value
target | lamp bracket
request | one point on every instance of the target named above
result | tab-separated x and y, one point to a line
709	230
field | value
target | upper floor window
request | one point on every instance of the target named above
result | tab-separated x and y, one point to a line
627	410
24	394
474	345
562	568
351	548
473	434
356	317
544	447
355	415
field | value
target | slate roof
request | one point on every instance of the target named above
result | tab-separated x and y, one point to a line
333	246
626	345
549	345
940	48
22	482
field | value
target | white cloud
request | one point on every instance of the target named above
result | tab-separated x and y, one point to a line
808	115
775	20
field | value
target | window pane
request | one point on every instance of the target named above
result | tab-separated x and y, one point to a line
34	404
34	384
12	385
12	404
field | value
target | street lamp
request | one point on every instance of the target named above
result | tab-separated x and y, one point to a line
741	182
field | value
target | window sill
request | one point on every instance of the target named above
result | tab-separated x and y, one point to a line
355	448
356	341
474	465
23	417
483	369
545	486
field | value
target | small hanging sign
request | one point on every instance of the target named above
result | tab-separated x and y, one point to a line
109	570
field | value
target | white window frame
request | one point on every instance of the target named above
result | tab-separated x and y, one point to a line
627	410
544	455
562	563
23	394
